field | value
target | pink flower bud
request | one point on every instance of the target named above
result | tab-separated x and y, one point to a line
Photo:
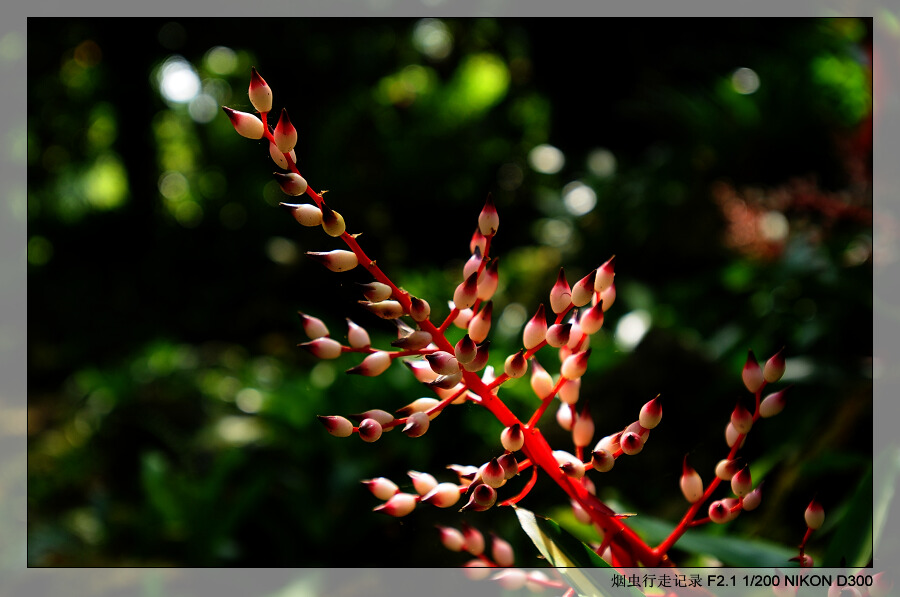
384	309
480	324
583	291
383	489
741	483
741	419
726	469
306	214
474	540
576	365
332	222
476	569
592	319
463	317
323	348
488	220
583	429
373	365
285	134
480	360
773	404
446	382
478	242
415	340
610	443
632	443
605	275
382	416
490	279
565	416
491	473
472	264
814	515
337	426
512	438
691	483
602	460
465	474
291	183
419	309
369	430
399	505
558	334
608	297
752	374
313	326
719	512
466	293
731	436
535	330
569	464
753	499
337	260
510	465
416	425
560	294
357	336
279	158
502	552
420	405
483	497
569	391
541	382
260	93
733	505
466	350
443	495
651	414
421	371
511	580
774	367
443	363
536	581
376	291
516	365
422	482
246	125
451	538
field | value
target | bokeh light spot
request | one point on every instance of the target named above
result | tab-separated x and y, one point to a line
546	159
221	60
178	81
579	198
631	329
601	162
745	81
432	38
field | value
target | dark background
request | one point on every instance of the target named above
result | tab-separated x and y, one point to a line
172	418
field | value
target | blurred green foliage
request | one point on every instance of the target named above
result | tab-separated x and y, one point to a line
726	163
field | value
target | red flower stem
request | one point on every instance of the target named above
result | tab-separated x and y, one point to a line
545	403
525	490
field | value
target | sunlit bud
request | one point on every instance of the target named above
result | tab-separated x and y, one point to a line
313	326
332	221
305	213
337	260
741	484
575	366
422	482
323	348
383	489
384	309
535	330
400	504
376	291
502	552
490	279
446	382
260	93
691	484
733	505
541	382
560	294
608	297
336	426
419	309
465	294
814	515
285	134
631	443
291	183
451	538
753	499
558	334
466	350
718	512
444	495
466	474
480	360
415	340
881	585
610	443
773	404
512	438
580	514
474	540
651	414
726	469
463	317
510	465
369	430
357	336
492	473
512	579
478	242
577	338
246	125
752	374
373	365
774	367
472	264
476	569
421	371
442	363
569	390
583	429
741	419
583	291
605	275
480	324
382	416
731	436
516	365
488	220
592	319
636	427
565	416
483	497
568	464
279	158
419	405
416	425
603	461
